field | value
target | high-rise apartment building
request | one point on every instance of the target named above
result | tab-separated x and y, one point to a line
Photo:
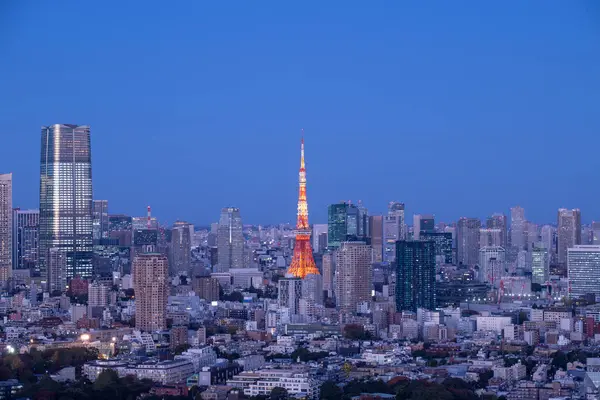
547	238
25	236
583	270
230	240
499	221
181	248
376	236
393	229
540	264
151	286
56	264
442	243
6	210
467	240
97	295
329	274
568	232
415	275
517	227
290	293
595	232
66	197
206	288
423	223
492	264
353	275
100	221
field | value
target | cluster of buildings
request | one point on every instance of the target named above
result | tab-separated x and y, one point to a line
240	310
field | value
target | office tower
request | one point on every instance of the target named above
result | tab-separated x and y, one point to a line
100	222
303	262
6	210
230	240
353	275
533	235
568	232
181	248
343	224
57	269
319	237
490	237
97	295
415	275
290	293
66	197
151	286
467	240
328	274
363	221
376	236
595	232
583	270
442	244
547	238
492	264
206	288
540	264
422	223
517	227
312	288
25	236
393	229
499	221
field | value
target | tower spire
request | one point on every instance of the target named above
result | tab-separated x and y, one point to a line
303	262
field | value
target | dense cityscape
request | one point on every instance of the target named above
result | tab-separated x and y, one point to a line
98	304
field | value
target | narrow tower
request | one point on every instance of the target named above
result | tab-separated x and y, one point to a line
303	263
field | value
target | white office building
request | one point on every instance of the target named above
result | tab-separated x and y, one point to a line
583	270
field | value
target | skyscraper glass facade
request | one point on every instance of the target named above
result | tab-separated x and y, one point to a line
66	197
415	275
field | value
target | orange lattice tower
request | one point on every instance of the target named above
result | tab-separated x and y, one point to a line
303	262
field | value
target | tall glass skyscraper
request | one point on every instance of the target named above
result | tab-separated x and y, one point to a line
230	240
415	275
66	197
5	227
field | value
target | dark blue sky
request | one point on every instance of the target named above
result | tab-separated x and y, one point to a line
455	108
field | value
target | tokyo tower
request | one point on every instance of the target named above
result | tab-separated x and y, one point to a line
303	262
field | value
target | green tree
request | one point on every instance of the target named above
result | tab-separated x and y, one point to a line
330	391
106	378
278	393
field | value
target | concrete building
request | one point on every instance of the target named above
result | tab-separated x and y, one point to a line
56	268
467	240
517	227
319	237
206	287
494	324
66	197
583	270
328	274
376	235
568	233
492	264
353	275
499	221
490	237
97	295
151	285
6	228
230	240
394	229
423	223
290	293
181	248
262	382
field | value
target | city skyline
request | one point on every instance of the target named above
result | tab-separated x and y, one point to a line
321	74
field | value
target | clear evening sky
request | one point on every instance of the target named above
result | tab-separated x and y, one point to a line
455	108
